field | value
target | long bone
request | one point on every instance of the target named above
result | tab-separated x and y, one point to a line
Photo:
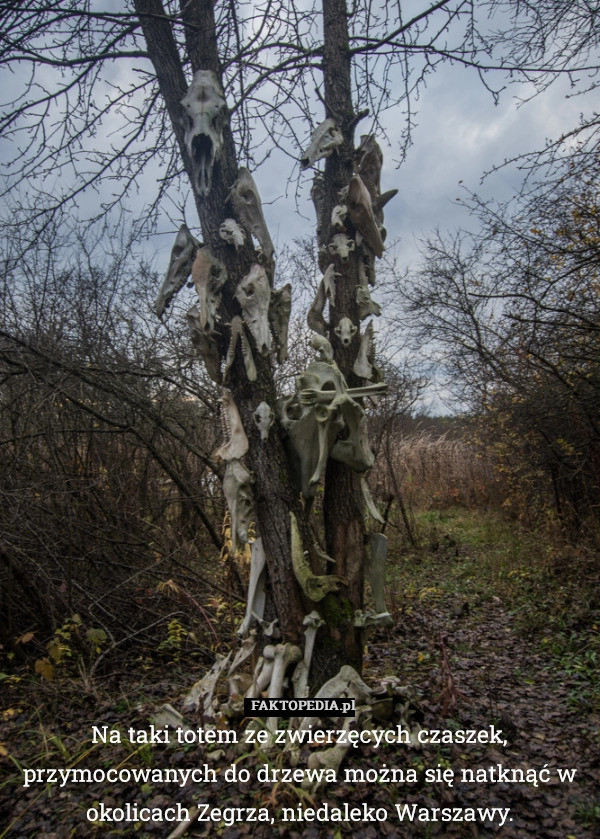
245	200
255	604
254	295
285	654
262	673
180	266
326	138
312	622
205	106
376	555
236	441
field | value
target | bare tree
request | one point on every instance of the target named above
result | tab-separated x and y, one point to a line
78	67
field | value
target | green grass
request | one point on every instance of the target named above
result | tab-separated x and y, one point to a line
551	589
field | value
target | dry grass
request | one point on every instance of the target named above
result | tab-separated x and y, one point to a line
435	472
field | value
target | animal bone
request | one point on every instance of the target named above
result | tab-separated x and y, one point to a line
232	233
254	294
326	138
369	162
369	503
236	441
362	366
237	488
317	194
205	344
257	595
314	318
180	266
315	587
238	334
245	651
345	330
329	282
246	202
379	203
329	759
338	216
205	106
354	451
285	654
209	276
262	672
361	214
323	348
346	683
366	305
341	246
279	317
202	692
264	418
312	622
376	555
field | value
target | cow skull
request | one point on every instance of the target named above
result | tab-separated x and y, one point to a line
206	109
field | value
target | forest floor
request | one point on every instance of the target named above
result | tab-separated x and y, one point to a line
492	628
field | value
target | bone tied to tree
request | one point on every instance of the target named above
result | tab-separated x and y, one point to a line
324	418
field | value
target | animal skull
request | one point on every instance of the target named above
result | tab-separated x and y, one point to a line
205	344
237	488
326	138
232	233
345	330
279	315
209	276
246	203
361	215
341	246
206	109
254	294
366	305
264	417
236	442
180	265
